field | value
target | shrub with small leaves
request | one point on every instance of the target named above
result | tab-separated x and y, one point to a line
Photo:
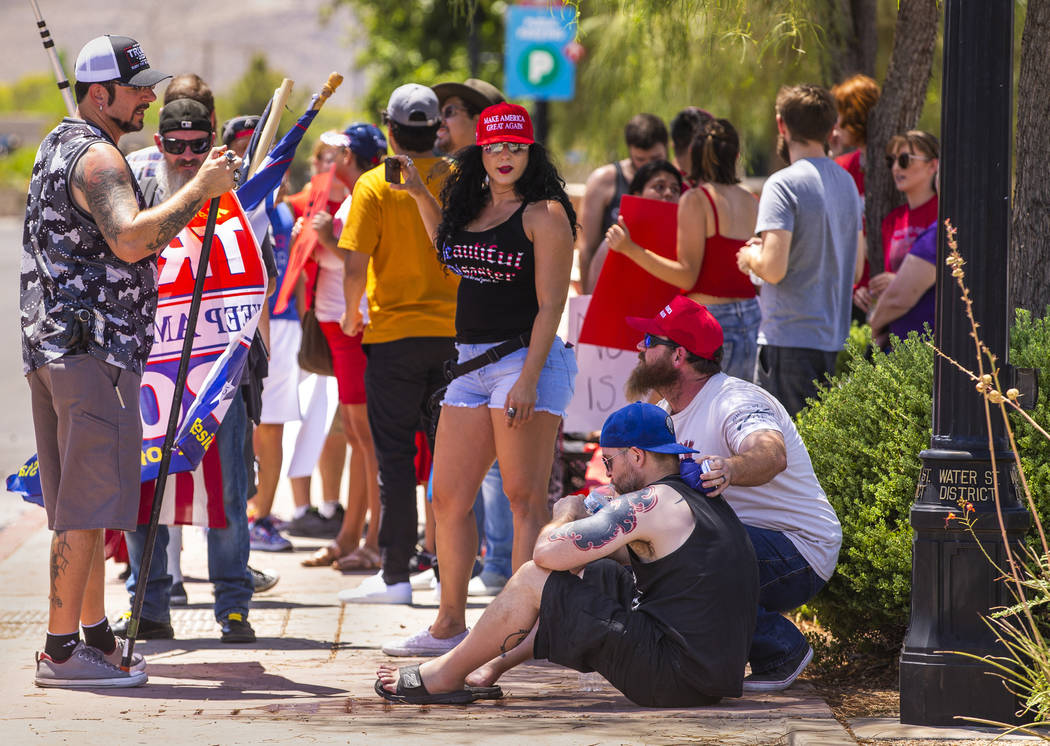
1030	348
864	435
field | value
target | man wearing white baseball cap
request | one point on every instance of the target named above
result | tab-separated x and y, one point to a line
88	299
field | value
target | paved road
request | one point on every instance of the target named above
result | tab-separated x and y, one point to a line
16	428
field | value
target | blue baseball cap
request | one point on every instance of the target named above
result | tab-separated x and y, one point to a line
643	426
366	140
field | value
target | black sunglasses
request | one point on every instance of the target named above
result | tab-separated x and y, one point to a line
904	160
176	147
608	460
651	340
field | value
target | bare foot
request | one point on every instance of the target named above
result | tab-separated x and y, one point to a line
485	675
388	676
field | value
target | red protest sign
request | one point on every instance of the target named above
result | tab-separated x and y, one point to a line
306	241
625	289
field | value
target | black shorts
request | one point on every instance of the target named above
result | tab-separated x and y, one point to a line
587	624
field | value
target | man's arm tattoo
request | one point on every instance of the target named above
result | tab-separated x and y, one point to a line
59	564
171	224
110	197
621	516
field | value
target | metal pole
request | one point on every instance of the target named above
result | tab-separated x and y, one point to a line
169	436
56	64
953	584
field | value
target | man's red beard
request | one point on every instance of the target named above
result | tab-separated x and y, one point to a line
646	377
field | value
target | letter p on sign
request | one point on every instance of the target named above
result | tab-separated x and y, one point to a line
541	65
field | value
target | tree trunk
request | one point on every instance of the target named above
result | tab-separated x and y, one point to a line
897	111
851	38
1030	241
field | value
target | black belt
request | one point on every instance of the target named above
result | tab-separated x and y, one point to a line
491	355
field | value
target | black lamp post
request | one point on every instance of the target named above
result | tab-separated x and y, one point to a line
953	584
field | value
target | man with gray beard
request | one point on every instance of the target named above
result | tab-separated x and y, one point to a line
184	137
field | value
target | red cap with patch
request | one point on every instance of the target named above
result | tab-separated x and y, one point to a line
504	123
686	323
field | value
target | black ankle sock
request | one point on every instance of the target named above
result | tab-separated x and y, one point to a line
100	636
60	647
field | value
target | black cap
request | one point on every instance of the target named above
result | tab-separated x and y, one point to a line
184	114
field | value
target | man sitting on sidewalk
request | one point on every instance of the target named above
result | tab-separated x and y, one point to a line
684	641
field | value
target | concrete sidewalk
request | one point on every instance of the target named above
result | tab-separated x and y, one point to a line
310	675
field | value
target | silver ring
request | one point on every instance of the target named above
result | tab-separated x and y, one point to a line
237	177
408	161
511	411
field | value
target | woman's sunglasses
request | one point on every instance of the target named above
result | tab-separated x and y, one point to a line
495	148
904	160
177	147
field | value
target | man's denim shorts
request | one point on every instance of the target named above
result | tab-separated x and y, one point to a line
490	384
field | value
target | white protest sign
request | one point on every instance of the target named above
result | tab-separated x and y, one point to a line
603	371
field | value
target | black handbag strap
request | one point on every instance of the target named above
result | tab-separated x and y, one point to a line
491	355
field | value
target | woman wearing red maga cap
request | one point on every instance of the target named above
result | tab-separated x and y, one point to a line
506	228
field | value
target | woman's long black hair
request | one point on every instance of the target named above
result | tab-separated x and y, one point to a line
466	191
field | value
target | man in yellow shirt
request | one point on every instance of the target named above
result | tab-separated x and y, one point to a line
410	329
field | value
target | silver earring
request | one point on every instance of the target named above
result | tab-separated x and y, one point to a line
100	107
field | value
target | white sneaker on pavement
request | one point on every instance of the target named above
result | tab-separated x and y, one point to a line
422	645
373	590
421	581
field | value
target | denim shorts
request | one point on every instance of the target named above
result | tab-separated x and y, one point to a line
490	384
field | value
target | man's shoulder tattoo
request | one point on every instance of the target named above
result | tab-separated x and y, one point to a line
620	516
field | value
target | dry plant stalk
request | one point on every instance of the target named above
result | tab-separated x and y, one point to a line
1026	670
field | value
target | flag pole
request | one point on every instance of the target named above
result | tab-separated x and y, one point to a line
269	130
56	64
142	578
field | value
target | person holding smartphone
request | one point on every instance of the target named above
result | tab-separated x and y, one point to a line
409	334
506	228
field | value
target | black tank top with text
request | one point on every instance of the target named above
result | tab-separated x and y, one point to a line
497	292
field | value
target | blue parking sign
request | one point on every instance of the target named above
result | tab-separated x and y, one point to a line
536	64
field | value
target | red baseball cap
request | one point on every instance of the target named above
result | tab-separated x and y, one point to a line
504	123
686	323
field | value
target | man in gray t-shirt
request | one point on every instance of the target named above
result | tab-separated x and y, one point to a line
809	253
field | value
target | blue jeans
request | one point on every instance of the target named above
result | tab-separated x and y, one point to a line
785	581
156	604
228	547
496	524
739	322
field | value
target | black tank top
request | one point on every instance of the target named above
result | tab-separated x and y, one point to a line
497	292
705	593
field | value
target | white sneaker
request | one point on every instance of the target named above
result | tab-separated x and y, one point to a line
422	645
421	581
374	591
478	587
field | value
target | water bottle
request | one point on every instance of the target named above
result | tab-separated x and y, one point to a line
591	682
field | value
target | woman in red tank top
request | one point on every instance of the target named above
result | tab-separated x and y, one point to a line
714	221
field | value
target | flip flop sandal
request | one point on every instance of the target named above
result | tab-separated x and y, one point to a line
362	558
486	692
410	691
323	557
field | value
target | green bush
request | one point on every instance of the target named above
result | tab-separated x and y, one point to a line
864	434
1030	348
